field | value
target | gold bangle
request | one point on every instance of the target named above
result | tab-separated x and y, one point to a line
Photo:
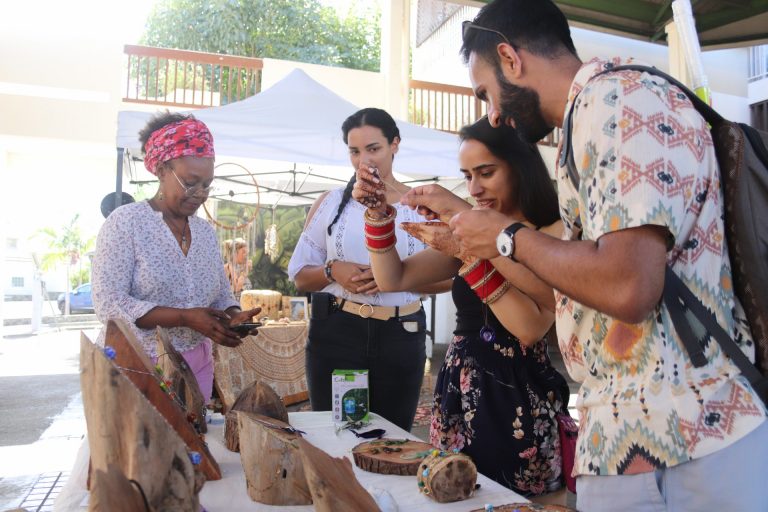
382	250
464	270
498	292
391	213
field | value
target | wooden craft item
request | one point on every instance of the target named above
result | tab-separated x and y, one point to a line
438	236
332	482
274	469
391	456
270	302
527	507
113	492
138	368
286	310
182	379
276	356
258	398
127	432
446	477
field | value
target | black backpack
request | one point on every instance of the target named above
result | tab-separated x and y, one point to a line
743	161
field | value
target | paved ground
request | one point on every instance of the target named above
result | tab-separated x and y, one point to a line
42	423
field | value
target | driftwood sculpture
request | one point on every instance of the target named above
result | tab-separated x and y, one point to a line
258	398
274	471
391	456
111	491
126	431
181	379
332	482
140	370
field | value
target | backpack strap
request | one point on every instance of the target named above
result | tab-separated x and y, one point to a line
566	153
683	307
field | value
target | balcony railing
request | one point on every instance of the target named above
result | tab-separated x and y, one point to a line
449	107
189	79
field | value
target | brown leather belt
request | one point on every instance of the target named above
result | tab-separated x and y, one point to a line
377	312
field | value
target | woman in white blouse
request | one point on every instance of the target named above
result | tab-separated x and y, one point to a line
157	264
355	326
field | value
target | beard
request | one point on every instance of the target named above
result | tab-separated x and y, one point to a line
522	105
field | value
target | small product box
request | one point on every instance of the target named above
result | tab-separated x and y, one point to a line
349	390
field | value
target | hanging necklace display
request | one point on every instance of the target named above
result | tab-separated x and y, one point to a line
487	333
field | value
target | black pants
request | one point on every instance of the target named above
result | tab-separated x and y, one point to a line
393	357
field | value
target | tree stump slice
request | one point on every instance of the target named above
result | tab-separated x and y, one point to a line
274	471
259	398
447	477
332	482
182	378
127	432
141	372
391	456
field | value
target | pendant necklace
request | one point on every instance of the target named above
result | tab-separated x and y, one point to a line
184	235
487	333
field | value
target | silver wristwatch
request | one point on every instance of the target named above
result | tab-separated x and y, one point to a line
505	242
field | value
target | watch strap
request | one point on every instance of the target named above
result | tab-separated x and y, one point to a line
510	231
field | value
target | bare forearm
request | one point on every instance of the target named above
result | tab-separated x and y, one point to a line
311	279
162	317
621	274
435	288
419	273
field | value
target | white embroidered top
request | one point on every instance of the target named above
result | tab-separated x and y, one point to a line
347	243
139	265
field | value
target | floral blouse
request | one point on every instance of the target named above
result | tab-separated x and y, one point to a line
139	265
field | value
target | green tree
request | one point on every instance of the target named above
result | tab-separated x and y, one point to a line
299	30
69	246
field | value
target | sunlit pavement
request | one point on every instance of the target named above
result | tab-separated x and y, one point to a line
42	424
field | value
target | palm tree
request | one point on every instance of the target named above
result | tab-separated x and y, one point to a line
67	246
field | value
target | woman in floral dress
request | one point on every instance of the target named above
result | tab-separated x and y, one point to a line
497	394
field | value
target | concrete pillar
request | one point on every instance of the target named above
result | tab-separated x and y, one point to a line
395	55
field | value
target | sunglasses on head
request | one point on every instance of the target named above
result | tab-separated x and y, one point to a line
468	25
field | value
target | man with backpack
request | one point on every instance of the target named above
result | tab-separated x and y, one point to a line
656	431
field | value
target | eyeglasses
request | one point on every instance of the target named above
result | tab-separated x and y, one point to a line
468	25
194	190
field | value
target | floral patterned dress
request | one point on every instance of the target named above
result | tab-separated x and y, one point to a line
497	402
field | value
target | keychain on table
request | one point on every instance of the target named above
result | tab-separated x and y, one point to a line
487	333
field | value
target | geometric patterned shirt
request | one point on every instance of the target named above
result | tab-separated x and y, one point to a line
645	156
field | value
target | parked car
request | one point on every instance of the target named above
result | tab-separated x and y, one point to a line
79	300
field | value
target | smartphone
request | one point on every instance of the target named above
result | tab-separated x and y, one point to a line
245	327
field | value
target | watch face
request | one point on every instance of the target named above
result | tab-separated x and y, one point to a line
504	244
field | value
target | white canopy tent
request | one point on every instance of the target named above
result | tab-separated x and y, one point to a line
289	137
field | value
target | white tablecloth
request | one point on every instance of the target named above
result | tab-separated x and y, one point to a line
230	495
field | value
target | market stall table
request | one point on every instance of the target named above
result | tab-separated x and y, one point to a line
230	495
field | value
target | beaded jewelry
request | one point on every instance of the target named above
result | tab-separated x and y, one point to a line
438	460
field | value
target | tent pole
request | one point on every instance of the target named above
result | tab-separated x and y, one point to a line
119	178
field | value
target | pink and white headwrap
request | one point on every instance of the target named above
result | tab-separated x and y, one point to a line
188	137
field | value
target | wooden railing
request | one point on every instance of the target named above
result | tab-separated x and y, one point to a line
182	78
449	107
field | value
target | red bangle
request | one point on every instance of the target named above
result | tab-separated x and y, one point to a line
381	244
380	230
487	283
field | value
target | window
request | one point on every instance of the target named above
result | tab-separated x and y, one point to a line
11	243
17	282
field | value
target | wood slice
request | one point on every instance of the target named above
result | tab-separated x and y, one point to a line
140	371
183	381
527	507
447	477
126	431
259	398
332	482
274	470
391	456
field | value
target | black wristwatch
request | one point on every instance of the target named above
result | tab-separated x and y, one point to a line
505	242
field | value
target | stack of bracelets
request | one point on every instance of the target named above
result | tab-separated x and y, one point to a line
380	233
485	281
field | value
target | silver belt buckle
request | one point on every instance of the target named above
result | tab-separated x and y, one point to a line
360	311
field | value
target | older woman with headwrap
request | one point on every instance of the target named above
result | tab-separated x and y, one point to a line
157	264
